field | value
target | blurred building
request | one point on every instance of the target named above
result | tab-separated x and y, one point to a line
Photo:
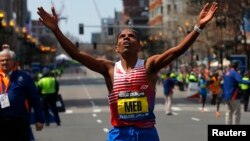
156	38
103	43
15	26
136	15
96	38
107	30
170	22
47	45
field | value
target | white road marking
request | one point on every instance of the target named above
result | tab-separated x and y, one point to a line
88	95
97	110
99	121
176	114
106	130
94	115
92	103
69	112
195	119
205	109
176	108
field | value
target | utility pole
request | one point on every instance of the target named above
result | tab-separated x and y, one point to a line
221	22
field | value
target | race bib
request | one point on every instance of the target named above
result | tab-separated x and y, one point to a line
4	100
132	105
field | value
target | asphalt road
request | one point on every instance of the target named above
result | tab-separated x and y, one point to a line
87	113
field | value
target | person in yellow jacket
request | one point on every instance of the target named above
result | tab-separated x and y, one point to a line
180	80
49	87
186	80
192	77
245	91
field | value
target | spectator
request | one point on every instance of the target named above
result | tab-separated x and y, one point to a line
215	88
231	95
16	87
203	91
49	87
245	91
168	86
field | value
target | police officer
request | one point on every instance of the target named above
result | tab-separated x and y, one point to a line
245	91
49	88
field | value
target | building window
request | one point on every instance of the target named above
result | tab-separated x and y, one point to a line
159	11
175	9
142	3
168	8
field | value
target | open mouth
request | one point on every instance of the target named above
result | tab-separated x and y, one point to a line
126	44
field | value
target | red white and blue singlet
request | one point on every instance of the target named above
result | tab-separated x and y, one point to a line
132	99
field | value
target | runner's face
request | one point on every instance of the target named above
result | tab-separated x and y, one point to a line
127	42
6	63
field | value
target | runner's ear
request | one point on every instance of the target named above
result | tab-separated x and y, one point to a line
116	50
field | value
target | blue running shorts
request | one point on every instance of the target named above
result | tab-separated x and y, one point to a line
133	134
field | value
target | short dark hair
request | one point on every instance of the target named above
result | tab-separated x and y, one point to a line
234	64
131	29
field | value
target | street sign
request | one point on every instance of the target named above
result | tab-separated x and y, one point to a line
242	60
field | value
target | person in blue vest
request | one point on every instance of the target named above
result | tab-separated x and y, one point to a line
203	83
168	86
16	88
49	87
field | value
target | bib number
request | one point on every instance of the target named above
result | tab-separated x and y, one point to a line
132	105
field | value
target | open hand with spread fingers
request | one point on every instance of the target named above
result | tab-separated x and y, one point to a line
206	14
49	20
